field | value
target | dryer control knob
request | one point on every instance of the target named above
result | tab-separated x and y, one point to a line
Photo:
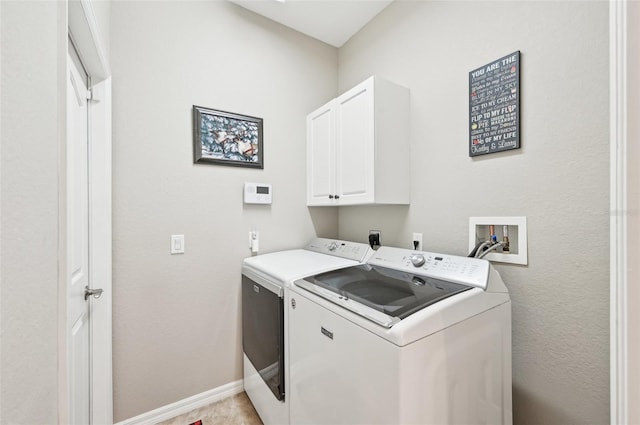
417	260
333	246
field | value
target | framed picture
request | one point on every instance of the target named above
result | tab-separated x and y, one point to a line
494	106
225	138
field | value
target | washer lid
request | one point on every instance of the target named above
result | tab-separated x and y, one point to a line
395	294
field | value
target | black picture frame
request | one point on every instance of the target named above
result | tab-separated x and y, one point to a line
494	106
226	138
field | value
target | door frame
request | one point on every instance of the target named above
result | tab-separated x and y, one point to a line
618	220
624	63
83	30
100	238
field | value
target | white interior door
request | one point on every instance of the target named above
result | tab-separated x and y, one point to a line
78	278
86	390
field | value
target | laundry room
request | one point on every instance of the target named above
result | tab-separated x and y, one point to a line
176	318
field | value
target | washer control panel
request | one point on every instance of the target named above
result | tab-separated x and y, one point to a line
417	259
464	270
344	249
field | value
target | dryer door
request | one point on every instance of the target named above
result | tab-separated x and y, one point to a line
263	333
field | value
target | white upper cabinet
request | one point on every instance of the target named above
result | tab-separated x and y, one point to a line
358	147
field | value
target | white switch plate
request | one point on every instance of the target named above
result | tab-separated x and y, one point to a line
177	244
517	227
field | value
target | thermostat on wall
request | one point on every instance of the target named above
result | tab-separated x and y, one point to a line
257	193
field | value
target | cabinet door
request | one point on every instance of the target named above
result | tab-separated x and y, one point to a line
355	145
321	174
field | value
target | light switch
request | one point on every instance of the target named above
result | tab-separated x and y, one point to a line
177	244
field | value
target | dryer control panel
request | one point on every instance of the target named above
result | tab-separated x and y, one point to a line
464	270
344	249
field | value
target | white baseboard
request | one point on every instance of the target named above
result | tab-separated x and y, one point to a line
186	405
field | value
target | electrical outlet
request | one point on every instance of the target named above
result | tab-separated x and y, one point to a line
254	240
374	238
417	237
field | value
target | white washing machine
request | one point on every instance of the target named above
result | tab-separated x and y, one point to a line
408	338
265	279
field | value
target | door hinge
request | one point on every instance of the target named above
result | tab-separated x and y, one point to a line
91	95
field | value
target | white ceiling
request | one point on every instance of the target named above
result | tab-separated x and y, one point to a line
331	21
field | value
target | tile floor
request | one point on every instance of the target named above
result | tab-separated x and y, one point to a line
235	410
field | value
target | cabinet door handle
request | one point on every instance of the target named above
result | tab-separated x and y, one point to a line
330	196
337	196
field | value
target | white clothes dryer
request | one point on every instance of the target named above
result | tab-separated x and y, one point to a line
265	279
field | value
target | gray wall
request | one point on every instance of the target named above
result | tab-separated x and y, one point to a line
176	318
559	179
33	47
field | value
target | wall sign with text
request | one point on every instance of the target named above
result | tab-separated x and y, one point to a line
494	106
